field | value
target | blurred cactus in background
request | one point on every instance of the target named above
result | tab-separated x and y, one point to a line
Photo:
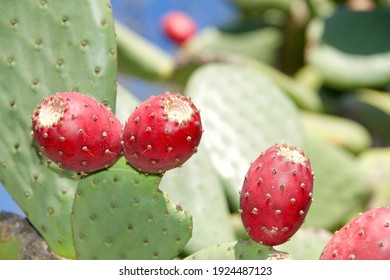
310	73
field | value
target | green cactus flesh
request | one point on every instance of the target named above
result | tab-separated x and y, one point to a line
122	214
243	113
46	47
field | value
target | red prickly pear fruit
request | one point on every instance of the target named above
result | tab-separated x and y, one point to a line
178	26
162	133
366	237
77	132
276	194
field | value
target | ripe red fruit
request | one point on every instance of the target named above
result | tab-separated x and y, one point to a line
276	195
366	237
162	133
76	132
178	26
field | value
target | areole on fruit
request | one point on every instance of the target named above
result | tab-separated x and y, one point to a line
49	113
178	109
291	154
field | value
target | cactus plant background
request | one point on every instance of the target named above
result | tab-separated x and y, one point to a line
310	73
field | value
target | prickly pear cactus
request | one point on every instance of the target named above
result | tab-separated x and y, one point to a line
46	47
243	114
122	214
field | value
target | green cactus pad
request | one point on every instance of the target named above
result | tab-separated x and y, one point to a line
371	108
375	163
340	187
261	44
46	47
303	96
342	132
140	57
261	5
354	59
197	187
243	114
307	243
121	214
238	250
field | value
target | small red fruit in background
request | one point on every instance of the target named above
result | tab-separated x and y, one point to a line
77	132
178	26
162	133
276	194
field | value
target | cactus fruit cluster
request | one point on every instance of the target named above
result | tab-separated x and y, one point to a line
80	134
224	170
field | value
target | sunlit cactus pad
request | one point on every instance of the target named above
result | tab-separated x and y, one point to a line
121	214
